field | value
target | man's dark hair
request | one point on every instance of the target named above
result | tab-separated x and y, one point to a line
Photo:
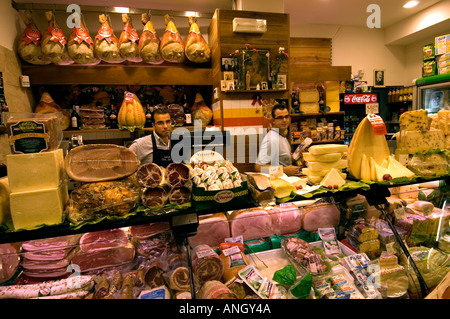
159	110
278	107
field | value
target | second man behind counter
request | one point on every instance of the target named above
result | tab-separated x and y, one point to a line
276	137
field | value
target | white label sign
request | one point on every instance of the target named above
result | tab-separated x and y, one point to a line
372	108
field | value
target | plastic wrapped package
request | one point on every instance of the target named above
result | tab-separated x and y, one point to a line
102	199
429	164
337	284
212	230
432	264
251	223
100	162
33	132
385	233
320	215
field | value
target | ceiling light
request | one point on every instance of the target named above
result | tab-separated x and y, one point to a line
121	10
410	4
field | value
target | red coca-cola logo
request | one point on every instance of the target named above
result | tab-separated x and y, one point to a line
360	98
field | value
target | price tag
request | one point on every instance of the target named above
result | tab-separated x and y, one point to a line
372	108
379	128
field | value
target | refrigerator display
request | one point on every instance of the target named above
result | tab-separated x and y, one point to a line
432	93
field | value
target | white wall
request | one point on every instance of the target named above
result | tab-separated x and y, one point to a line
8	24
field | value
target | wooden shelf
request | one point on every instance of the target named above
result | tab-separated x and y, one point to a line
110	74
145	129
255	91
316	114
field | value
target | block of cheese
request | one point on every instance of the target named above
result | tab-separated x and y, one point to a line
414	120
282	187
332	179
329	157
319	166
38	207
365	141
328	148
418	141
308	96
316	179
5	214
444	121
309	107
447	142
33	171
322	173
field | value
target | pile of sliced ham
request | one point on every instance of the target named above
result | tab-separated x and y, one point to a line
48	258
103	249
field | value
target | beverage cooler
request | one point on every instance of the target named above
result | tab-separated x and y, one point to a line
432	93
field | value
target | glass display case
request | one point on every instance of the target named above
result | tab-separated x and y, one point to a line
432	93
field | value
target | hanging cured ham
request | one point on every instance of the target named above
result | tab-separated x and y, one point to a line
129	41
149	42
172	45
54	43
106	44
81	46
29	45
197	50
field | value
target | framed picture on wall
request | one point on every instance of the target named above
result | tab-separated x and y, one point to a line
379	77
229	64
258	66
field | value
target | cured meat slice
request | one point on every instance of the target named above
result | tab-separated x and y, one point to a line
179	195
50	255
154	275
156	246
149	42
106	44
51	245
104	239
45	273
150	175
39	265
197	50
177	174
88	261
129	41
154	197
9	262
172	45
29	45
251	223
147	230
179	279
100	162
206	264
54	43
214	289
81	46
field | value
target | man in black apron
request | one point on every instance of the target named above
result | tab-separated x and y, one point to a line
156	147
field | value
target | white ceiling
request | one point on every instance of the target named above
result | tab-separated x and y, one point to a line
336	12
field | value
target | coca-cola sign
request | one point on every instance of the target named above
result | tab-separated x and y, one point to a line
360	98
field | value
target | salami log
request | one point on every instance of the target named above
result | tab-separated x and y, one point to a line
177	174
154	275
150	175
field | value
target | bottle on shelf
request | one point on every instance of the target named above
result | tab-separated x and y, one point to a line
148	117
390	96
75	118
113	124
187	111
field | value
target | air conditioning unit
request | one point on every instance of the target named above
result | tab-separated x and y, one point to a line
245	25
